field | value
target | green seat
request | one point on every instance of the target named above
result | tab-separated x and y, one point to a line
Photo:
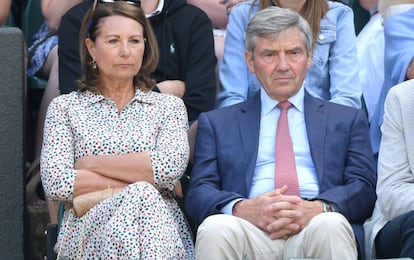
10	20
32	18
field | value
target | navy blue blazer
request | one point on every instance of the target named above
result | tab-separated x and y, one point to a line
226	151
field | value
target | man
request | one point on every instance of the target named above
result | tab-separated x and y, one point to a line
398	56
370	49
187	60
234	168
389	232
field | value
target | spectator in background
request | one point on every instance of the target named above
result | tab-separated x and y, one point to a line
114	150
246	211
43	61
370	47
43	57
398	57
334	72
217	13
389	232
5	6
187	62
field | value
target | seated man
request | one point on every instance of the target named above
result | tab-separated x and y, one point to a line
389	232
398	56
306	198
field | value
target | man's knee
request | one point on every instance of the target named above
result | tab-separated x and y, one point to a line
407	221
330	223
214	226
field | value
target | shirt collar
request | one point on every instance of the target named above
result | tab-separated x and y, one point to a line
269	104
156	11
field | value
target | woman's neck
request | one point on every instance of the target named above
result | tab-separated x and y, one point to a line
121	94
295	5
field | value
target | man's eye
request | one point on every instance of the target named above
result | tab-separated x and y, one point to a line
113	41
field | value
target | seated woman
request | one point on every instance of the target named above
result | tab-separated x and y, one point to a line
114	150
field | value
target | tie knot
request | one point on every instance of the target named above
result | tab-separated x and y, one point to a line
284	105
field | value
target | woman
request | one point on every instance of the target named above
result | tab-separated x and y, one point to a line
334	72
116	139
187	63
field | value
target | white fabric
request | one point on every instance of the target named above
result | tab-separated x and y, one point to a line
327	236
395	185
370	48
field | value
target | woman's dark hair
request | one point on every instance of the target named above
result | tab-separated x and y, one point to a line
90	29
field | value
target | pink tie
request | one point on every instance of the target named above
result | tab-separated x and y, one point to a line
285	172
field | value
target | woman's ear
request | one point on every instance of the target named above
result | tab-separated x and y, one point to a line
90	45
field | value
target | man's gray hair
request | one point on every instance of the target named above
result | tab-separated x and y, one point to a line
273	20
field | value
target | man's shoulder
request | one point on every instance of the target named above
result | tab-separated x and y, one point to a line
335	11
78	11
403	90
225	113
188	13
334	108
178	8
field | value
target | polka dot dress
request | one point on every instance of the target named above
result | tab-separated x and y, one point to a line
143	221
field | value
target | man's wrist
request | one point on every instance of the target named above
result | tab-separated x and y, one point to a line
327	207
236	208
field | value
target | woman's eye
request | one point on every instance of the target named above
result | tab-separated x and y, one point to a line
113	41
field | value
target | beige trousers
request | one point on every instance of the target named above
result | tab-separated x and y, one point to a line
327	236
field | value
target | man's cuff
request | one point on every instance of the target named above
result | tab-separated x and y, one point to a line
228	209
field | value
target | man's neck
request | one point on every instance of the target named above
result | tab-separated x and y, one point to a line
149	6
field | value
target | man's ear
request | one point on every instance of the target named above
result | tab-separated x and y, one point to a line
90	45
249	61
309	62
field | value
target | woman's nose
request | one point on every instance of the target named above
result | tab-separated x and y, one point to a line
124	49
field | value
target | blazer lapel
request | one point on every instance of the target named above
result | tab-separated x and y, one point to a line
316	121
249	128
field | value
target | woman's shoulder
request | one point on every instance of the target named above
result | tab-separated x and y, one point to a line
165	100
66	100
335	7
244	10
338	13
